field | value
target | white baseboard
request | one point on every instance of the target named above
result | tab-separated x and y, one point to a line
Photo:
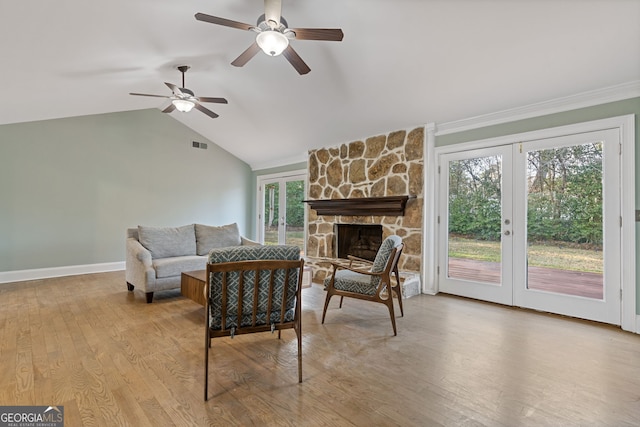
71	270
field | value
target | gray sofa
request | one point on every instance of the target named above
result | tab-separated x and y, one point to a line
157	256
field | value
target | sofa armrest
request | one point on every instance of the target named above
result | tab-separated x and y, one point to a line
141	253
139	267
247	242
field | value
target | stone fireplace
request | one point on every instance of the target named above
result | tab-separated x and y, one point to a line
376	168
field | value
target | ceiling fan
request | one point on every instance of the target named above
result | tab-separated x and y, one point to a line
184	99
274	35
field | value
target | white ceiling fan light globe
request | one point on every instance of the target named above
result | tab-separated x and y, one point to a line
183	105
273	43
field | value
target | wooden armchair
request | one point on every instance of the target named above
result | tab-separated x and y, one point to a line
251	289
372	283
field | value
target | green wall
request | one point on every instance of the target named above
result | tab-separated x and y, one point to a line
603	111
70	187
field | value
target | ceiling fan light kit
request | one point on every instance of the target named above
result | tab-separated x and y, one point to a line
272	42
183	105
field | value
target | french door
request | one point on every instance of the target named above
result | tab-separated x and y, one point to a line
535	224
281	213
475	214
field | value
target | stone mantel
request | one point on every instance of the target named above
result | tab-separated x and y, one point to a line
377	206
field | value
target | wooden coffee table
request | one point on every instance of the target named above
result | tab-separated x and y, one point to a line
192	285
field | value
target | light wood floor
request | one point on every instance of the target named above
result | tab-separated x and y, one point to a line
110	359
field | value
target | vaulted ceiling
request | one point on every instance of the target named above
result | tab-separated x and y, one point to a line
402	63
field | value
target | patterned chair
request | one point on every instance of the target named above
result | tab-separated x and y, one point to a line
252	289
370	284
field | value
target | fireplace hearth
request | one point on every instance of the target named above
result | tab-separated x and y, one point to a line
360	240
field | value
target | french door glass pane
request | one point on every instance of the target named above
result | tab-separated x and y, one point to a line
475	199
564	220
294	234
271	213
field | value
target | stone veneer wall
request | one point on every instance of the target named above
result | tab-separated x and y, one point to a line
384	165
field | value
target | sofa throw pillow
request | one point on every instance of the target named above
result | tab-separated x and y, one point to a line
164	242
210	237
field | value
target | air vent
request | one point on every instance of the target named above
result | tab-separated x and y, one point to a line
196	144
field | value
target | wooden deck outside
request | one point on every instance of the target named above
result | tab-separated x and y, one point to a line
545	279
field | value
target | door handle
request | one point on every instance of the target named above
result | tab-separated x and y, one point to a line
507	232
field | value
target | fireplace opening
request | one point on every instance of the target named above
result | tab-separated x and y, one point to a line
360	240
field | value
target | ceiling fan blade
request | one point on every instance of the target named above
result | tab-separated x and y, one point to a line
272	12
216	100
175	89
327	34
295	60
146	94
169	109
222	21
246	55
206	111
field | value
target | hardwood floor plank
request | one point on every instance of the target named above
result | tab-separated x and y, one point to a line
87	343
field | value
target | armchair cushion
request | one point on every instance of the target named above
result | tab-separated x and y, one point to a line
210	237
164	242
347	280
251	253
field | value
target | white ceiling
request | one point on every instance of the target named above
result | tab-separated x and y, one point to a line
402	63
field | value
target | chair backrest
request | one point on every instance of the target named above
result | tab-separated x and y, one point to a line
252	287
385	251
387	257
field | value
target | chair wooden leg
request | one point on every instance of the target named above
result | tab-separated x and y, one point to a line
207	344
399	291
341	298
299	336
389	305
326	304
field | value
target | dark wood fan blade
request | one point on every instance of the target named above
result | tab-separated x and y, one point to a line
146	94
327	34
272	11
175	89
169	109
206	111
216	100
295	60
222	21
246	55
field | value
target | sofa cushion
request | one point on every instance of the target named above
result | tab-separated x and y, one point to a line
174	266
164	242
210	237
